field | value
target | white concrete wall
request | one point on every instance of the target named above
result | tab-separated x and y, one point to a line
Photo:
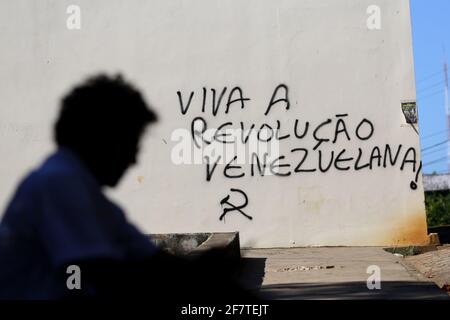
322	50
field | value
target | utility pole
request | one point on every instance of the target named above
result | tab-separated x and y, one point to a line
447	110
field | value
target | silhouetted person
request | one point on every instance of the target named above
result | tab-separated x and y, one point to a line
59	215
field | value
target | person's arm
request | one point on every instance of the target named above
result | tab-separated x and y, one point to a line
209	276
162	273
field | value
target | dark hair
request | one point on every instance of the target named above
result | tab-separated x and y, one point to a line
100	109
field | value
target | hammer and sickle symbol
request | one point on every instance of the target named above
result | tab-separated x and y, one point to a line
232	207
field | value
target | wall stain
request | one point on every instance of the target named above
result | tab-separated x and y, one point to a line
411	230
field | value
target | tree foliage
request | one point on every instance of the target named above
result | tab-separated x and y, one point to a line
438	208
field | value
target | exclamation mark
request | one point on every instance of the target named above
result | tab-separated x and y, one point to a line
413	184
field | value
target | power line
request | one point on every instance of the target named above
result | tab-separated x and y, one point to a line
432	86
434	134
430	95
430	76
434	145
426	153
435	161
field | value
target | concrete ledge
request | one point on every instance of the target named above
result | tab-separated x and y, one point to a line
443	232
411	250
179	243
227	241
198	243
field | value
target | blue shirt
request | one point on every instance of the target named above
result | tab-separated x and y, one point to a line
57	216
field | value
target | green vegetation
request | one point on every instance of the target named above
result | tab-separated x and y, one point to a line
438	208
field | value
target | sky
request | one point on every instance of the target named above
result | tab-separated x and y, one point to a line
431	33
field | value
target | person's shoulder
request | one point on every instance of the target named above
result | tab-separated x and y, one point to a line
54	172
39	182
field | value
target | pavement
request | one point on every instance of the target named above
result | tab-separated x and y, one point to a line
334	273
435	265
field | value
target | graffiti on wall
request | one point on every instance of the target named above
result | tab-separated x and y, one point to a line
276	147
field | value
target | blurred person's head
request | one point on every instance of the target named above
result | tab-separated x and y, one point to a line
102	120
